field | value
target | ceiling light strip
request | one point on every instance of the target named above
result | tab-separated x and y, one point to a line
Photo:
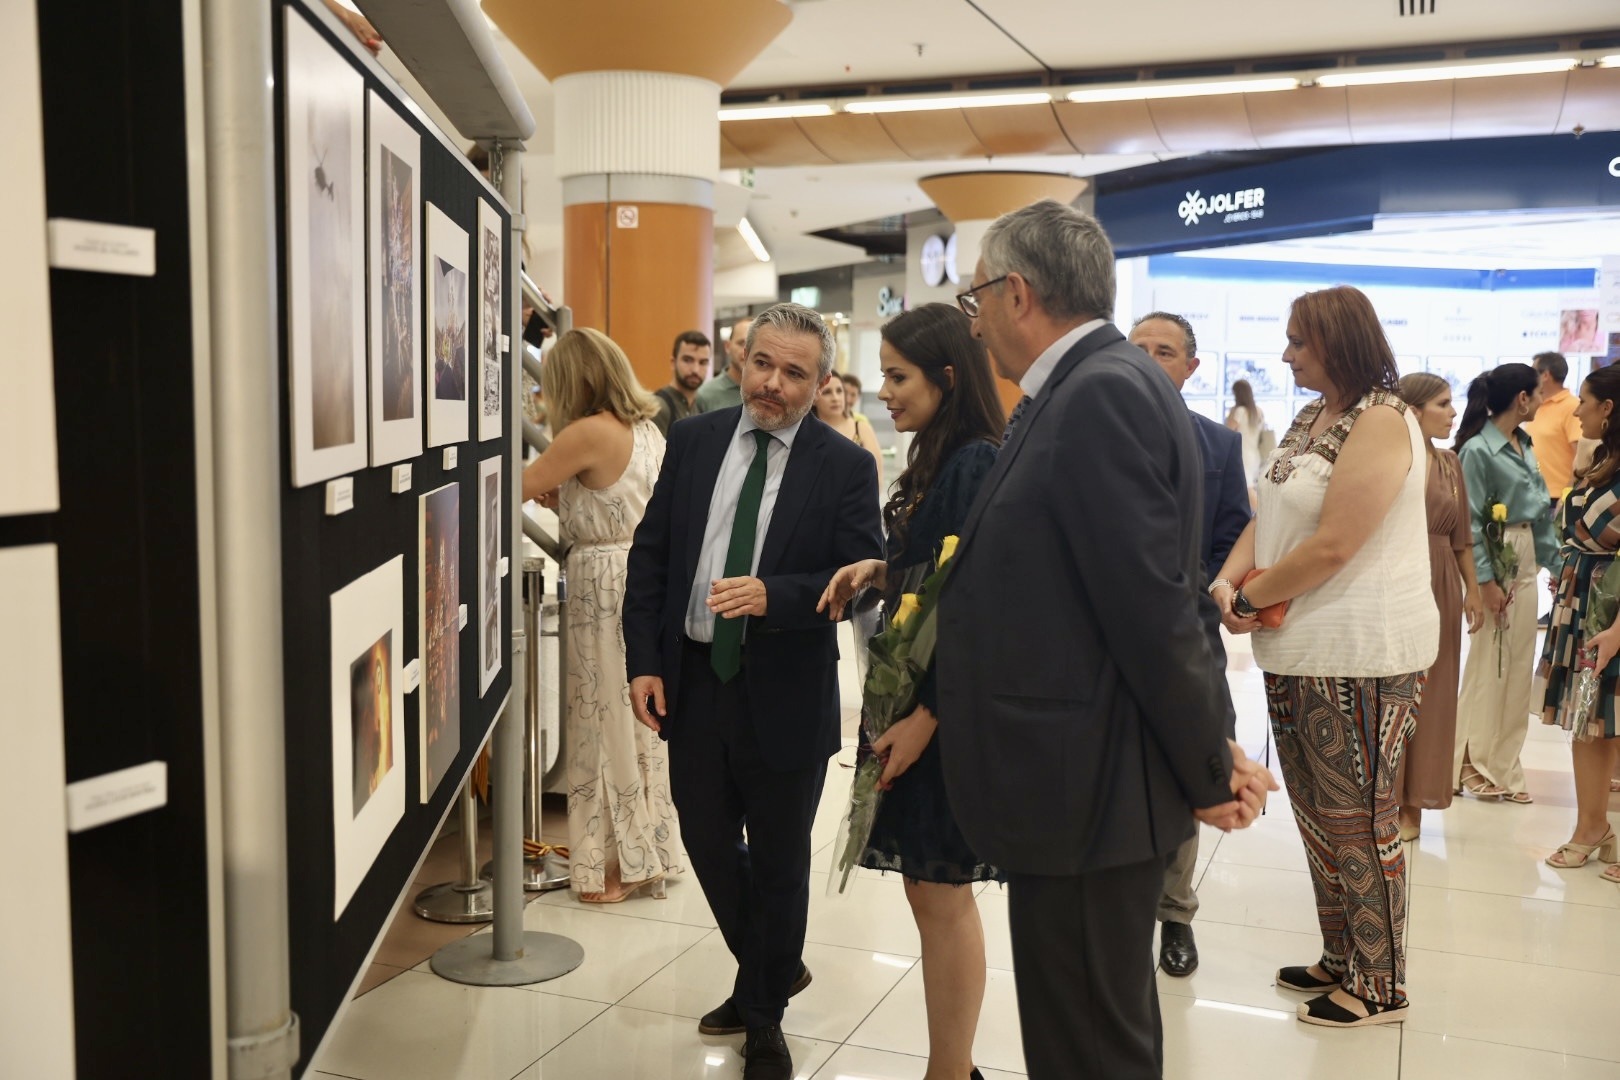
948	101
751	238
1148	91
776	112
1443	72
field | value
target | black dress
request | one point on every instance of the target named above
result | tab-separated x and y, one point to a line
915	832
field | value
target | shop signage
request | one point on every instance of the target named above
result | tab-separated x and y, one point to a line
1246	205
933	261
889	303
1614	167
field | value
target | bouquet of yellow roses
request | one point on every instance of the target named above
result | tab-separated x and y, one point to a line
897	659
1504	565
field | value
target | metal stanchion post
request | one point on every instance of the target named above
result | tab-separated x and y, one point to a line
518	956
468	898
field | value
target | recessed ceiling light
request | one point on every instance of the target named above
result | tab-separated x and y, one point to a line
751	238
946	101
785	111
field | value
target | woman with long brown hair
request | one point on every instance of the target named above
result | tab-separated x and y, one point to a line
1425	779
1589	523
1246	418
937	384
599	472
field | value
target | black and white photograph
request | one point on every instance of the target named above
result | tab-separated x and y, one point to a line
325	253
448	310
489	321
368	723
440	633
489	571
394	259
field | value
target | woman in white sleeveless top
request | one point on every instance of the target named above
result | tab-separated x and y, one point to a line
1247	419
599	472
1341	533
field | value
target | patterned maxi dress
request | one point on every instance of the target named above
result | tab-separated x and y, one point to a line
619	805
1589	526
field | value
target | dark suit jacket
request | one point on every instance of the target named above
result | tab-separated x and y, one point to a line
826	517
1226	492
1226	514
1081	712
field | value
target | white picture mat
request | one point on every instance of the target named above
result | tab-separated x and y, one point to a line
429	756
28	402
447	420
363	611
400	438
320	82
36	1026
491	289
489	576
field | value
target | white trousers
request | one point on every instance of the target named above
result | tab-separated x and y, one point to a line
1493	711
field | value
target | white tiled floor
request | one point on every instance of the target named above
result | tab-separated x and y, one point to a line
1514	969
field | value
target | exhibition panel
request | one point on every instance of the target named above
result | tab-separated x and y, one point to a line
397	650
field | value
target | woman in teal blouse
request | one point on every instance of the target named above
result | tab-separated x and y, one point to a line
1499	465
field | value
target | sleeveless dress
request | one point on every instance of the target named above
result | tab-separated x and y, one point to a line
915	832
1589	525
619	804
1426	780
1249	429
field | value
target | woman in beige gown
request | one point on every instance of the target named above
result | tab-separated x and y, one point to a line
1425	781
599	473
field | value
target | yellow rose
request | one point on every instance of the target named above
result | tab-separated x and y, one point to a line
908	607
947	548
1498	512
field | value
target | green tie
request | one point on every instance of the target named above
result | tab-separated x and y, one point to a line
726	655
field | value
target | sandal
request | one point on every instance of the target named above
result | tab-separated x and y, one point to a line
654	886
1301	979
1572	856
1474	782
1611	873
1521	797
1329	1013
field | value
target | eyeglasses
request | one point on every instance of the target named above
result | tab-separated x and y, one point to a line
969	301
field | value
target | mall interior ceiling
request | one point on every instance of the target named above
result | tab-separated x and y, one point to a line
830	190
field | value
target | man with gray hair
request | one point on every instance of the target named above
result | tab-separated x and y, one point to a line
728	660
1081	713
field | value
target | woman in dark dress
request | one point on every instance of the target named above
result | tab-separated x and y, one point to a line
937	385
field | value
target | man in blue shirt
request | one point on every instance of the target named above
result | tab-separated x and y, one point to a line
1170	341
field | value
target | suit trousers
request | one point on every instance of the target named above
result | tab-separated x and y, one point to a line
1088	1005
758	889
1179	901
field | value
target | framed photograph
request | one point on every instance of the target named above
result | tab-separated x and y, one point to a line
368	723
439	643
448	309
326	304
1578	331
394	151
490	290
1266	374
489	572
1459	371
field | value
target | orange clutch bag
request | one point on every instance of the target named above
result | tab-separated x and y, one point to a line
1270	617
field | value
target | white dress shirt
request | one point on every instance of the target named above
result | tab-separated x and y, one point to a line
1041	370
711	564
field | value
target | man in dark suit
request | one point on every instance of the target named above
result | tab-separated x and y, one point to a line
1169	339
1081	711
729	661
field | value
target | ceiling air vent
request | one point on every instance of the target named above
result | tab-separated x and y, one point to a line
1417	7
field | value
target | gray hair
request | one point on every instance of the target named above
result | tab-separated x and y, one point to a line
1171	317
1062	252
796	319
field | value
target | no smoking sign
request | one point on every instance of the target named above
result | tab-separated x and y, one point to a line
629	217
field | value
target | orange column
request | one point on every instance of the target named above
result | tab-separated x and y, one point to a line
974	199
637	94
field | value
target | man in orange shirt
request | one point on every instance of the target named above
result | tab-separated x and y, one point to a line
1555	430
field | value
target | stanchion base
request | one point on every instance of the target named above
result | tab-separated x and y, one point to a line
539	875
472	960
453	902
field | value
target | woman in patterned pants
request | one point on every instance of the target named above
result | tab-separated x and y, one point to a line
1342	537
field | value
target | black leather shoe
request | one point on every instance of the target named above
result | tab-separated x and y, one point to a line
765	1055
1178	952
726	1020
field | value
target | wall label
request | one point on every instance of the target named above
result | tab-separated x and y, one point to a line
117	795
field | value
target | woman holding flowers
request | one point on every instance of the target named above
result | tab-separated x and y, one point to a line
1513	534
937	385
1426	779
1578	660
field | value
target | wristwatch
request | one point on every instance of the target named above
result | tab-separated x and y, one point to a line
1241	606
